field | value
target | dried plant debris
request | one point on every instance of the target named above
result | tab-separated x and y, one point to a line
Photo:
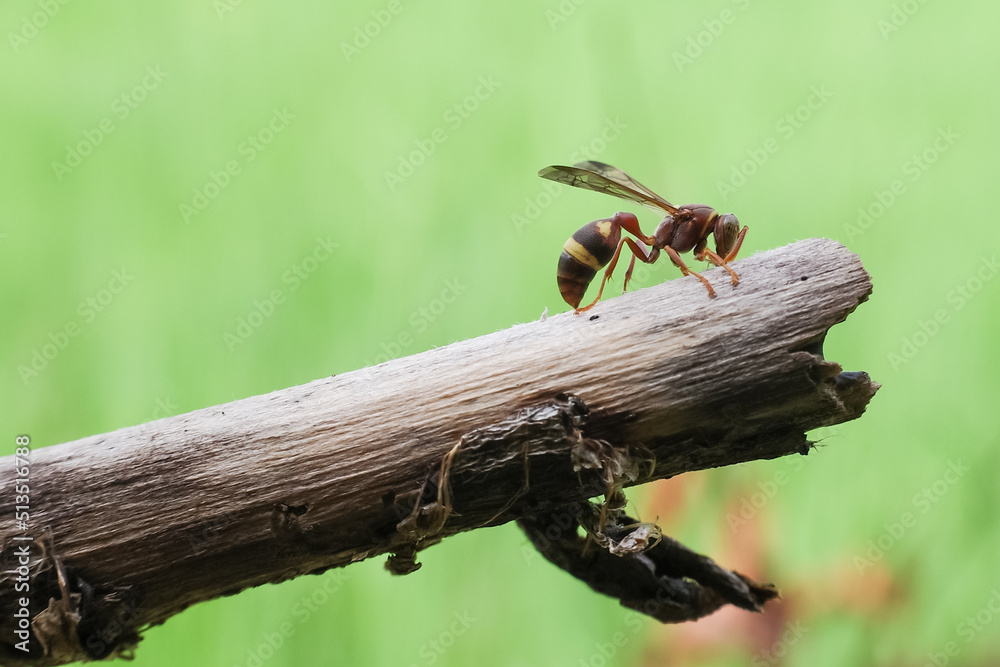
55	627
98	621
631	561
108	625
287	528
594	541
404	561
550	426
643	536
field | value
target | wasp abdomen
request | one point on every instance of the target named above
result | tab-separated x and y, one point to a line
584	254
573	278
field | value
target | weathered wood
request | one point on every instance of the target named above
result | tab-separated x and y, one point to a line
149	519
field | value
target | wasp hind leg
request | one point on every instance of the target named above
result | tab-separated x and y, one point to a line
647	256
637	252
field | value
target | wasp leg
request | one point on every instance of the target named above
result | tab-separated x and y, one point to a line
637	251
731	255
679	263
630	224
718	261
724	261
628	274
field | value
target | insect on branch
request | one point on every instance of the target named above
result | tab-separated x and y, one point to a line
600	242
530	424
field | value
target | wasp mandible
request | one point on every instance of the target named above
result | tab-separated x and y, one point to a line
600	242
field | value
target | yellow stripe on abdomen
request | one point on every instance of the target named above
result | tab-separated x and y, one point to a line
575	250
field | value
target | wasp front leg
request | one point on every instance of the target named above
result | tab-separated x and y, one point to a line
706	253
728	240
703	252
679	263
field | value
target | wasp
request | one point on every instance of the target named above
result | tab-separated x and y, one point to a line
600	242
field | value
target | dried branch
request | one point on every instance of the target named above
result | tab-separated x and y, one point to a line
131	527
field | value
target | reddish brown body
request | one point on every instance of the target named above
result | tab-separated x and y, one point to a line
600	242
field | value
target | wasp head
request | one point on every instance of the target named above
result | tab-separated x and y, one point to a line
730	232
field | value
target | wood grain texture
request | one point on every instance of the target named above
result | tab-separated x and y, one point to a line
149	519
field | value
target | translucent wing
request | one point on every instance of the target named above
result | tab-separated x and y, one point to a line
615	174
601	177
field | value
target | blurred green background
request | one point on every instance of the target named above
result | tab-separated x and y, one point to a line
168	170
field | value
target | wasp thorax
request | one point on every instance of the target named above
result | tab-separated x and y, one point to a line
664	233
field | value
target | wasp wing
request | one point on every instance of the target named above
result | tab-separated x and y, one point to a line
601	177
615	174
